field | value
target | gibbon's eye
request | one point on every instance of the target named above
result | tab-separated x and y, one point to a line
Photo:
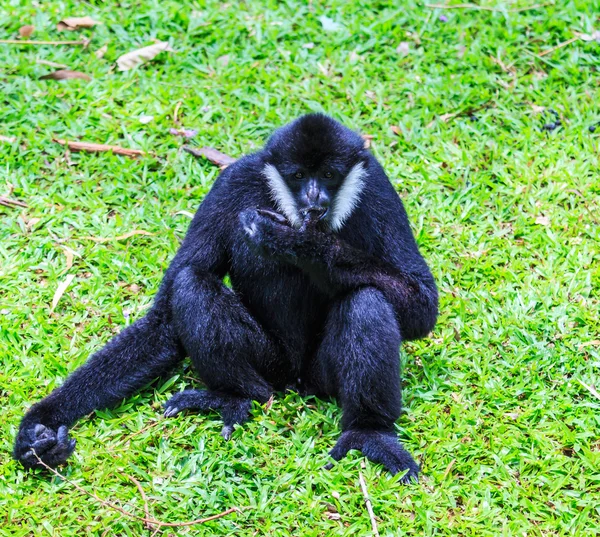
299	175
329	175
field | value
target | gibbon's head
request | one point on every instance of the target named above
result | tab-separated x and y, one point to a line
315	170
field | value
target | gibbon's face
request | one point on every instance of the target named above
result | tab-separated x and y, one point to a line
315	172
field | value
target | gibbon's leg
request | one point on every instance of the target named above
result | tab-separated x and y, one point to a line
228	348
142	352
358	362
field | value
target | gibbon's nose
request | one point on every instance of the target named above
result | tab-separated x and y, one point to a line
316	199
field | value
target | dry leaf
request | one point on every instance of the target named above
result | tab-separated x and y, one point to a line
185	213
403	48
595	36
447	117
65	74
26	31
592	343
223	60
144	119
60	290
142	55
101	51
542	220
367	138
187	133
120	237
74	23
333	516
213	155
396	130
69	255
31	223
329	25
354	56
8	139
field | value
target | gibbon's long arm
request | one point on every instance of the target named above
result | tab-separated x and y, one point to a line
337	267
139	354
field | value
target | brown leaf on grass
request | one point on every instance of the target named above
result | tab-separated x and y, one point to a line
542	220
8	202
65	74
396	130
8	139
31	223
101	51
60	290
212	155
75	23
69	255
26	31
89	147
142	55
120	237
368	139
594	36
447	117
592	343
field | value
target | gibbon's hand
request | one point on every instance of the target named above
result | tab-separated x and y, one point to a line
270	235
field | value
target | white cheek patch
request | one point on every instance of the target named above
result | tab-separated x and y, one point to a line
347	197
281	195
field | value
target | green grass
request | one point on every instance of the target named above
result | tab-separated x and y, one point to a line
506	213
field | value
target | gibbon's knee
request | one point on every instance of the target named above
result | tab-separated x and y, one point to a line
371	318
362	353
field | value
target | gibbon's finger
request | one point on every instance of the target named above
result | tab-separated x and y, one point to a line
279	218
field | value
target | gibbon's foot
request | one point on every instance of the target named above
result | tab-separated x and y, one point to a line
233	409
52	447
381	447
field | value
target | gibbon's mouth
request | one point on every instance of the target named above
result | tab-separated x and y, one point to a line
314	214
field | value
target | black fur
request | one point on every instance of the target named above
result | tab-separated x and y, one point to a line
323	310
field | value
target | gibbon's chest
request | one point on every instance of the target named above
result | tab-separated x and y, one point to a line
280	297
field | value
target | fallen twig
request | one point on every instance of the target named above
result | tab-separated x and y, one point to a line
120	237
146	519
365	492
560	45
448	468
144	497
212	155
51	64
7	202
487	8
99	148
84	42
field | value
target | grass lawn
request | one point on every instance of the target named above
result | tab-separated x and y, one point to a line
500	404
